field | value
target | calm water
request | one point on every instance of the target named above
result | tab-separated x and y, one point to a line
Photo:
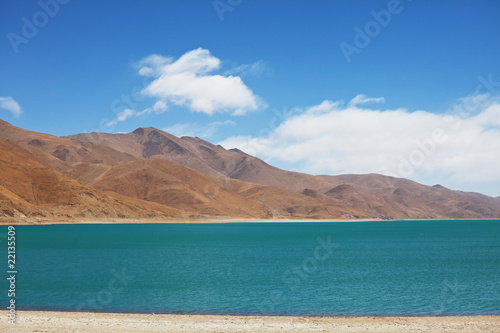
366	268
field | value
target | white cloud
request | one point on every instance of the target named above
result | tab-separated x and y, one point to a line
221	123
125	114
158	108
190	129
363	99
8	103
248	69
189	81
197	130
471	104
121	116
153	61
334	138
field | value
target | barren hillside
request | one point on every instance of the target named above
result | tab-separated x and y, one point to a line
150	173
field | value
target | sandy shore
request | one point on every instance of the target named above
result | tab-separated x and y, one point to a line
47	321
36	221
30	221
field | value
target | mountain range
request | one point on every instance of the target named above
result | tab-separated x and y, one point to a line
149	174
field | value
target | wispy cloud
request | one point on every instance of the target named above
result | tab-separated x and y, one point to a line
221	123
197	130
121	116
335	138
363	99
256	68
157	108
190	81
9	104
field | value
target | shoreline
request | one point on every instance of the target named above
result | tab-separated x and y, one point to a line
58	321
10	221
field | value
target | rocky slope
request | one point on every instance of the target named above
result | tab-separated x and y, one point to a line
28	188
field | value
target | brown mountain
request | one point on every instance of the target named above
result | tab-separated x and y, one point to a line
375	195
180	191
403	198
28	188
200	155
73	158
188	177
181	187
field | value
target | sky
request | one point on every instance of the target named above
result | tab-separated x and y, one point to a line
402	88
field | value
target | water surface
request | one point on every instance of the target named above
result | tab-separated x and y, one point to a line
363	268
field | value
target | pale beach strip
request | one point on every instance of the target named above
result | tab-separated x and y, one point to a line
36	221
51	321
208	220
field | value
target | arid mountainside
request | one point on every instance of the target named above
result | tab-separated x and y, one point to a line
200	155
152	174
181	187
28	188
73	158
152	188
402	198
376	195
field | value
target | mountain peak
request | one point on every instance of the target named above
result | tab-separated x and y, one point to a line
139	131
146	130
236	150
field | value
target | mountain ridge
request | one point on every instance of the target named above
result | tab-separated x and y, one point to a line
164	176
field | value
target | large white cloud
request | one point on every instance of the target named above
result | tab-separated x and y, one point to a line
8	103
456	148
189	81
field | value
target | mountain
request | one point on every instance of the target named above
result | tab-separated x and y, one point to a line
403	198
149	173
28	188
200	155
375	195
177	186
174	190
73	158
181	187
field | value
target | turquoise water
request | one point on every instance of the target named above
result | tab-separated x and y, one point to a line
363	268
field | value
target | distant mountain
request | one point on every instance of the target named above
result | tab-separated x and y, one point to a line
403	198
152	174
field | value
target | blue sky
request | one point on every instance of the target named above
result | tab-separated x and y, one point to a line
263	75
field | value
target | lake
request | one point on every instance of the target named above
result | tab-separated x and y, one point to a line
362	268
